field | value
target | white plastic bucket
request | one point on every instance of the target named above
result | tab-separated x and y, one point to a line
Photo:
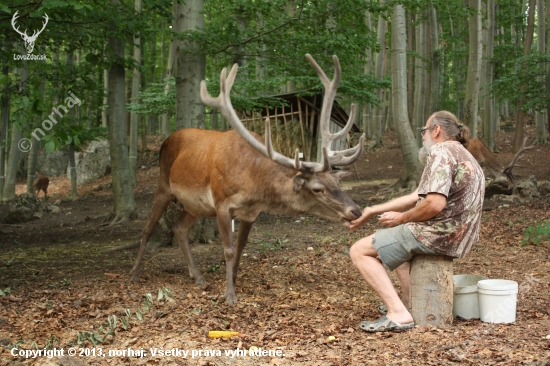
465	299
497	300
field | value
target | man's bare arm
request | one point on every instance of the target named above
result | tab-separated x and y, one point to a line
433	204
398	204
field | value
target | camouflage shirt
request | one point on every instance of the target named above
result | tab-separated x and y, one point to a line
452	171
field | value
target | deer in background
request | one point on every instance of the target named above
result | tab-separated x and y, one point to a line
233	175
486	159
41	183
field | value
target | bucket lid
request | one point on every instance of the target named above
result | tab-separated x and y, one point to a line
498	284
467	283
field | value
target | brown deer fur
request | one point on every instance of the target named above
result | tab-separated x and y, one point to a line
218	174
234	175
485	157
41	183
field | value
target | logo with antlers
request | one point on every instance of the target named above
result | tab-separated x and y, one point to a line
29	40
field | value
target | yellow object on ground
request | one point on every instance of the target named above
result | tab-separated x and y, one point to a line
222	334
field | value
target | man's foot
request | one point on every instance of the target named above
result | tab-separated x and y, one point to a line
384	324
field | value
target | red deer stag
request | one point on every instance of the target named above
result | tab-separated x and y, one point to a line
233	175
486	159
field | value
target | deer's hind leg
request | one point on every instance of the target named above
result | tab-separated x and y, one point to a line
181	231
163	197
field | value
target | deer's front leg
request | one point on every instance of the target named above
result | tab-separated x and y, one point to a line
229	251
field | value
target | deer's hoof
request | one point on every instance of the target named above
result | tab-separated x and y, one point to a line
200	282
230	299
134	277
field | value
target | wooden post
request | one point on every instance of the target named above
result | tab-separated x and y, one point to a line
432	289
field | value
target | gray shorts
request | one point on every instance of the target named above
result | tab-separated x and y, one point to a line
398	245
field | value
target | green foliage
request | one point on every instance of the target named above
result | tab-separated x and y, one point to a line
5	292
537	233
529	71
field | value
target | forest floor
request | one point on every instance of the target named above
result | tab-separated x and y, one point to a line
300	299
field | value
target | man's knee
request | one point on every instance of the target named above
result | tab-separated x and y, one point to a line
361	248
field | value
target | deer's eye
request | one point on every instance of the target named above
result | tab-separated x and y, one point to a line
317	190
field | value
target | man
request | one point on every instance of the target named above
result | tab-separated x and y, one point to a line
442	217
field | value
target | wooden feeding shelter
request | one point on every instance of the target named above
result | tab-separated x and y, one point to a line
296	125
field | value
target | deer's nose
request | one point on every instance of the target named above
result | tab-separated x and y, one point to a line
355	212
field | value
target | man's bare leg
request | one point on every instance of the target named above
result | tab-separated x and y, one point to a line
404	275
363	255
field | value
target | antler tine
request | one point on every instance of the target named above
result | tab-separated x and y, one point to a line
36	33
508	171
349	124
14	26
273	155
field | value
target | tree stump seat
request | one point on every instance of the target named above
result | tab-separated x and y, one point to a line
432	289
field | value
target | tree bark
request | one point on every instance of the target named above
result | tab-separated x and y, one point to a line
379	74
190	112
367	109
104	111
165	118
541	136
548	67
410	63
432	290
434	73
420	78
410	175
520	122
474	68
4	123
489	116
134	117
124	204
13	158
33	154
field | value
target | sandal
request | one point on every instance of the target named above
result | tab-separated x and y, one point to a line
382	309
384	324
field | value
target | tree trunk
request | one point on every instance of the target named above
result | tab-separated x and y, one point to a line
541	136
4	125
190	112
134	117
379	74
165	118
72	171
367	108
410	64
432	290
153	117
33	154
489	116
104	111
434	73
13	159
124	205
474	68
520	122
410	175
548	67
420	78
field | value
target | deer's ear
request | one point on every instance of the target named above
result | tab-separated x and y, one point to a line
341	174
299	181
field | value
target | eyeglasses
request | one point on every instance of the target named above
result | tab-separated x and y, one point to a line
423	131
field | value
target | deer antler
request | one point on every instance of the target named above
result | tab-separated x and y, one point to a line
508	170
37	33
17	28
329	158
344	157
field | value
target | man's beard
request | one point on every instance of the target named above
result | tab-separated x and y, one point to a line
425	150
